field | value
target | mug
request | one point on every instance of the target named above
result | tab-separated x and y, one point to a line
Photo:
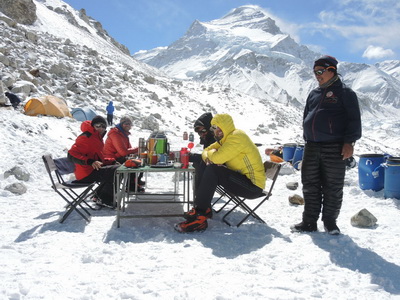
177	156
152	158
162	159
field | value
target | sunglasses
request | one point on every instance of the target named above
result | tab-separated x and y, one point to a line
320	72
100	126
200	131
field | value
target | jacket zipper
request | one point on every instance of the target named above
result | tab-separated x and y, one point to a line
316	112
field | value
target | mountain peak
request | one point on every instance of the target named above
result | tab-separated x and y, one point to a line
250	16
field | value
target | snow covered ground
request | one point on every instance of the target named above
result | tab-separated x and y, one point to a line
146	259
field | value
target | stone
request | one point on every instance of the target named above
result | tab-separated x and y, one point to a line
292	185
296	199
3	99
17	188
18	172
287	169
21	11
363	219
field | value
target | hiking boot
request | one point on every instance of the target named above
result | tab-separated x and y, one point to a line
304	227
331	228
193	213
108	204
198	223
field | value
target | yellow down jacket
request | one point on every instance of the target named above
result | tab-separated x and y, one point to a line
236	151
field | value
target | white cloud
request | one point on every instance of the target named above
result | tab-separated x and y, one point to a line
373	52
363	23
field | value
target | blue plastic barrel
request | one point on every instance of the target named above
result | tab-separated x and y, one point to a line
392	178
371	172
288	151
298	156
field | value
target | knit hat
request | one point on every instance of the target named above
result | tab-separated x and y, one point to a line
326	61
125	119
204	120
99	120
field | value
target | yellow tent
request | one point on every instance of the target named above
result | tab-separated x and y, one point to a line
47	105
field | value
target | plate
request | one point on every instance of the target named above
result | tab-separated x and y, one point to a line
161	166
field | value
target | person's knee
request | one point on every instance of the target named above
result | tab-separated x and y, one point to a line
211	168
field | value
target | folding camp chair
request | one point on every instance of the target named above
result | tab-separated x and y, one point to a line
57	168
272	171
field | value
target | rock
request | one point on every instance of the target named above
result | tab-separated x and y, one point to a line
287	169
3	99
150	123
18	172
296	199
292	185
22	11
17	188
363	219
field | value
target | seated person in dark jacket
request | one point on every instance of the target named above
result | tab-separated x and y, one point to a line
202	127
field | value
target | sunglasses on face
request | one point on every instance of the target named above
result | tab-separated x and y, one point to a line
200	131
320	72
97	126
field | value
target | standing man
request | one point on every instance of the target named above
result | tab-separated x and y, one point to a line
110	113
331	126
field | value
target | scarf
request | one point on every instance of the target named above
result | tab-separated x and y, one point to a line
329	82
119	126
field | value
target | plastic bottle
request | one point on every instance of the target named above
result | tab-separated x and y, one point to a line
191	137
185	136
184	158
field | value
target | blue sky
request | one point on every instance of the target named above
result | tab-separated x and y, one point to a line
363	31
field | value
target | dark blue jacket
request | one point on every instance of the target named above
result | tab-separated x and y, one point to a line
332	114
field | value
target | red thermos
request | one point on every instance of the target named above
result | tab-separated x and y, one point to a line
184	158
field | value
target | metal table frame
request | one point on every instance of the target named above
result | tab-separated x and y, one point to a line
123	196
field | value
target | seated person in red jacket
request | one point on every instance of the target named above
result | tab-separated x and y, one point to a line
90	162
117	144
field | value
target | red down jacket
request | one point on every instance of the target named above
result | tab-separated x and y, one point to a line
88	148
117	144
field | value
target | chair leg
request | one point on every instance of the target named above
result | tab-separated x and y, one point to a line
223	193
70	210
250	212
73	205
71	193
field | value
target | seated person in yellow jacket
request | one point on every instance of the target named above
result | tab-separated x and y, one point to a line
233	162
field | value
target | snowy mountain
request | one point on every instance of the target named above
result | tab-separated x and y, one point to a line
246	51
66	53
62	53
